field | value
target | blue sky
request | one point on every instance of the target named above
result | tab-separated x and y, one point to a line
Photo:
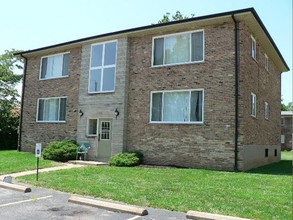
31	24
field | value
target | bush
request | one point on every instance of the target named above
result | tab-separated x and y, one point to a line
60	151
127	159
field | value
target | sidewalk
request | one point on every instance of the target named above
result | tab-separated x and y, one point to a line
29	172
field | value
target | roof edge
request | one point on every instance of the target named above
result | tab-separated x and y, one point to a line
139	29
240	11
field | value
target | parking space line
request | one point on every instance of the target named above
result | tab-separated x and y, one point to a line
135	217
28	200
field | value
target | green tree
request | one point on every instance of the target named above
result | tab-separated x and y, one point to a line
9	103
285	107
178	16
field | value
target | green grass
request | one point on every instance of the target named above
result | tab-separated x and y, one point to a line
12	161
263	193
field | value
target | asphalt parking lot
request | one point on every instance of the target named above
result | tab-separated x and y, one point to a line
50	204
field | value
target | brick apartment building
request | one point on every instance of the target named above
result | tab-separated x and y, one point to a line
200	92
286	130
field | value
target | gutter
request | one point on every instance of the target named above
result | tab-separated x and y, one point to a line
21	108
236	28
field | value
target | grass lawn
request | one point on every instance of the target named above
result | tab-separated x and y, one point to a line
12	161
264	193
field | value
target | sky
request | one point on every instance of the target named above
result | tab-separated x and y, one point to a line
32	24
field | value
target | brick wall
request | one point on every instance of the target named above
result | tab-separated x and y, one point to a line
209	145
36	132
258	133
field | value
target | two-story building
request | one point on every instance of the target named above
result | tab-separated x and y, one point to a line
286	130
200	92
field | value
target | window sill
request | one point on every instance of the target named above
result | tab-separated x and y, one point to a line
61	77
51	122
253	116
106	92
176	64
177	123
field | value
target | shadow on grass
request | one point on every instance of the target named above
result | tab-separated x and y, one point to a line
283	167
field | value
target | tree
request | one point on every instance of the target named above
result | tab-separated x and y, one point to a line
178	16
9	103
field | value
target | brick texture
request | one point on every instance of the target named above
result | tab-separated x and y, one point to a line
36	132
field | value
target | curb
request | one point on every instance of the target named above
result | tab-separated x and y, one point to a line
208	216
108	205
15	187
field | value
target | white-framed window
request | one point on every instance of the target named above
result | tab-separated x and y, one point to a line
177	106
267	111
266	62
103	67
179	48
253	105
282	139
55	66
51	109
253	48
92	127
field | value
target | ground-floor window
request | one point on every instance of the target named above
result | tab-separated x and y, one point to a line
51	109
177	106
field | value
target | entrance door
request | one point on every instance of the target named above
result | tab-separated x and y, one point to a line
104	147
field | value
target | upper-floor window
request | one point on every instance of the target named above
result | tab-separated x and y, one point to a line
51	109
103	67
266	62
179	106
253	48
55	66
179	48
253	105
267	110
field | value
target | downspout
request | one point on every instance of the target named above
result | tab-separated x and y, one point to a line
236	28
21	108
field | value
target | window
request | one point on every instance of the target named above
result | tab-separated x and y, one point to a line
180	48
253	48
51	110
266	152
103	67
282	139
253	105
267	110
55	66
92	127
266	62
282	121
183	106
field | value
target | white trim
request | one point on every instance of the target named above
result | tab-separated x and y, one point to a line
267	111
48	98
102	67
253	95
253	42
87	127
51	55
174	34
266	62
175	122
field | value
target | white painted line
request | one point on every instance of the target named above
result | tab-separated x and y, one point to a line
23	201
135	217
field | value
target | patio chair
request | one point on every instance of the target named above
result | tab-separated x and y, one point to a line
83	150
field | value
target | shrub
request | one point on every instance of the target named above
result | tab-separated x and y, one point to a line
127	159
60	151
